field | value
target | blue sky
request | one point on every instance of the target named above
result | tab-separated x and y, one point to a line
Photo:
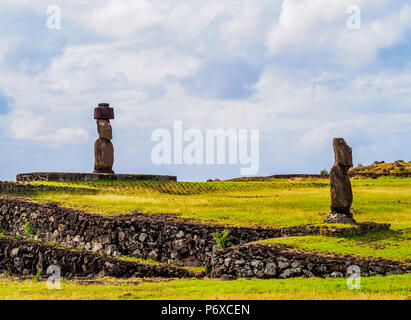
290	68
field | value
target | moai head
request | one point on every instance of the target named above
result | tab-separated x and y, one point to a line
343	152
103	113
104	129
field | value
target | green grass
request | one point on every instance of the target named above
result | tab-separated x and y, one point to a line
276	203
271	203
157	263
390	287
266	203
390	244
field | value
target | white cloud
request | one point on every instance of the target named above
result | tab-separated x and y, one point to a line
244	26
203	26
318	29
90	67
321	136
124	18
358	48
4	45
311	87
35	128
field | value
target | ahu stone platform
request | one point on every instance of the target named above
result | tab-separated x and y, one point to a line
73	176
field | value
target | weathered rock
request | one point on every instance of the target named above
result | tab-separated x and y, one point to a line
270	269
341	192
335	217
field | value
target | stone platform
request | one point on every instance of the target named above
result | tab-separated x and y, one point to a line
73	176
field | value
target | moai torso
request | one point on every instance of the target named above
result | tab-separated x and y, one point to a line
341	192
103	148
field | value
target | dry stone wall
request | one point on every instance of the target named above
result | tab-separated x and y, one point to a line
19	187
72	176
162	237
265	261
20	257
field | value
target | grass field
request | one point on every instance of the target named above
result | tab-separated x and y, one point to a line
154	262
270	203
394	245
275	203
390	287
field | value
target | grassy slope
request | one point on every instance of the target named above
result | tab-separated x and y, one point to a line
154	262
394	245
274	203
391	287
384	168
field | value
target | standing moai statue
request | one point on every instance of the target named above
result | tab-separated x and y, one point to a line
341	192
103	148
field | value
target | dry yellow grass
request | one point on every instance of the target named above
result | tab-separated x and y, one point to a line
397	167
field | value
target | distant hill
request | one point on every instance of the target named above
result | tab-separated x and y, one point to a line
382	168
398	168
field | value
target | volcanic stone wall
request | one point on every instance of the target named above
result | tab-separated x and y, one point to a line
265	261
20	257
73	176
19	187
162	237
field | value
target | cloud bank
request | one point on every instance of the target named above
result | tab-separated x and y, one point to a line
290	68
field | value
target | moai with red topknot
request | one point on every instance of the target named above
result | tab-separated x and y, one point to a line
103	148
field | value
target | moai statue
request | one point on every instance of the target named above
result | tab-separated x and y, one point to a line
341	192
103	148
